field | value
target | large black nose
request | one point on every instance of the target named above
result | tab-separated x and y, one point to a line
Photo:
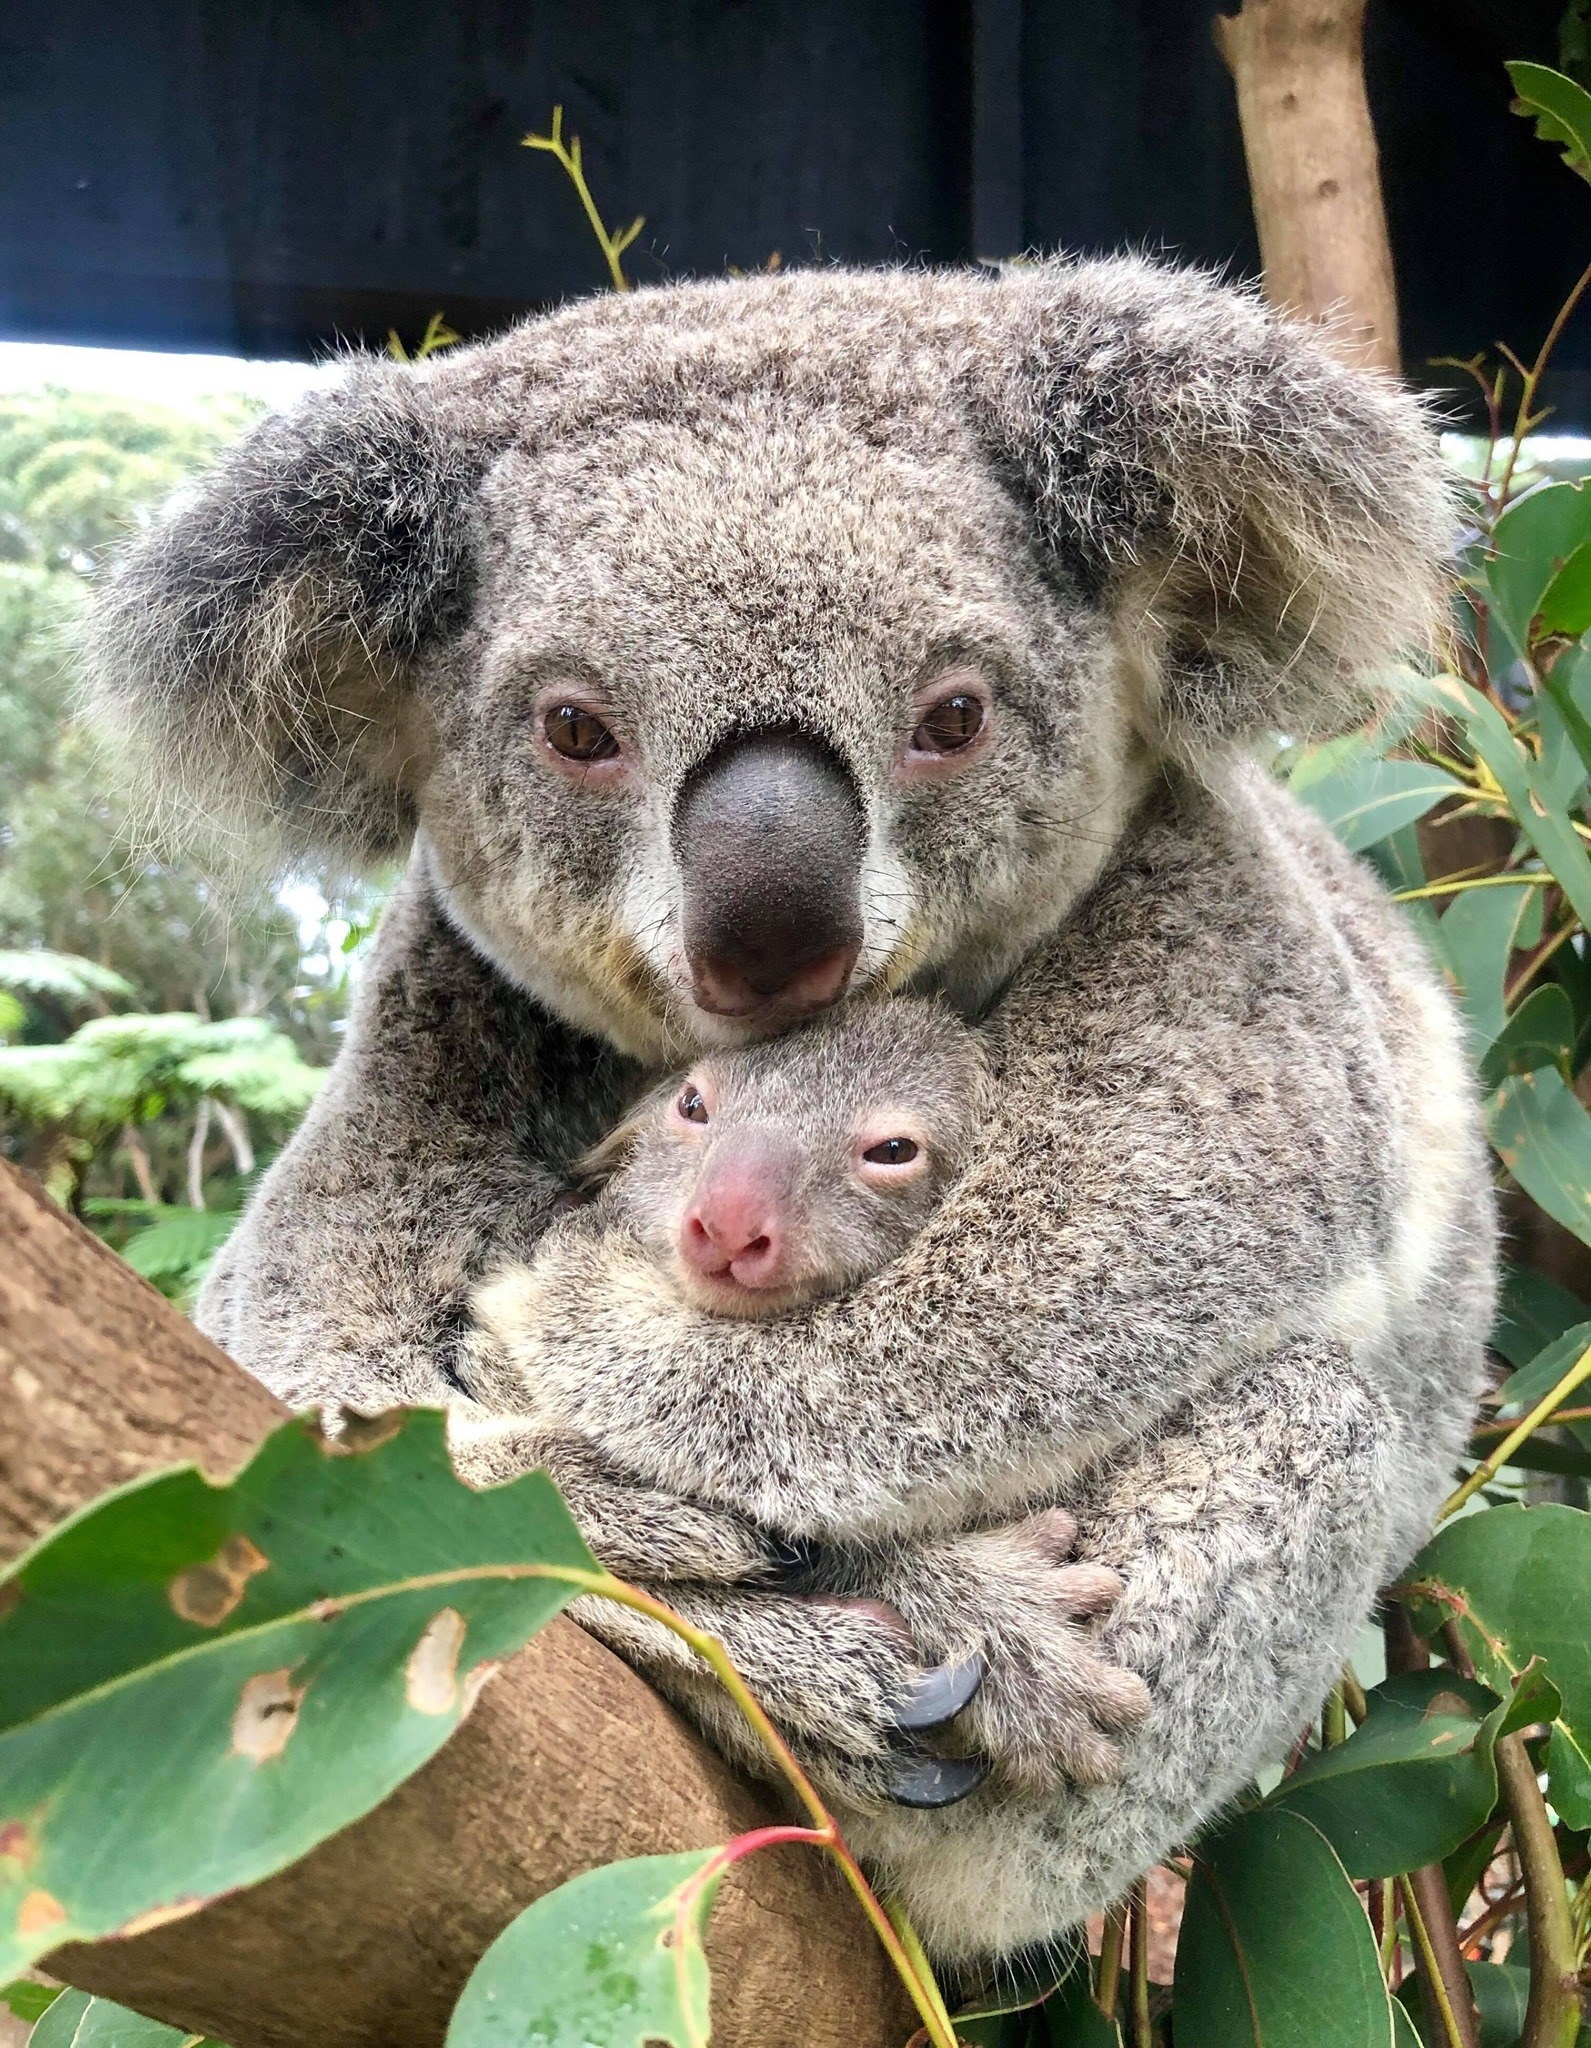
768	834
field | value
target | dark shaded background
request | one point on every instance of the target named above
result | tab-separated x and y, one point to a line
270	176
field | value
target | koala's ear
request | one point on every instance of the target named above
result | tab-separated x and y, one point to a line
256	646
1266	523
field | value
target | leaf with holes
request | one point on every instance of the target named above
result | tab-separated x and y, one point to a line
1514	1580
198	1683
608	1960
1418	1778
1275	1949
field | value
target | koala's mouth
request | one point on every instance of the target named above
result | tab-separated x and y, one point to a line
721	1294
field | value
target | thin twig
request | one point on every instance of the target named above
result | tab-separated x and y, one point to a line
1532	378
1431	1978
613	244
1552	2013
1108	1989
1485	1473
1450	887
1142	2031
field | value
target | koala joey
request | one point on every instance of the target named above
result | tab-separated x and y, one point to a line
766	1177
734	652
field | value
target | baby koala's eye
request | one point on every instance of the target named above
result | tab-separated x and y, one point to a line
891	1152
691	1106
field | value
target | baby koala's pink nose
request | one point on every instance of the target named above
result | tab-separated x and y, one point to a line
733	1227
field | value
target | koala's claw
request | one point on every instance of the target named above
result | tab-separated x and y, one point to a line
929	1781
939	1694
791	1560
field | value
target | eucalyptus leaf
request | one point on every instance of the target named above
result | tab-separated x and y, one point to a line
1542	1134
198	1683
1560	109
611	1959
1477	936
1513	1580
1532	1312
75	2020
1405	1789
1534	542
1540	1033
1539	816
1275	1949
1073	2019
1366	798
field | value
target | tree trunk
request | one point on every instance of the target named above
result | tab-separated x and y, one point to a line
1313	168
569	1759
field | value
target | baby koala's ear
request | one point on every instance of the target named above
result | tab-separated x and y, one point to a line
1266	522
256	645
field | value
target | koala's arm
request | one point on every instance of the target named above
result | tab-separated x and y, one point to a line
1251	1537
1230	1107
433	1151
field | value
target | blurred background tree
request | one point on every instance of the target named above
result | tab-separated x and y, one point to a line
161	1036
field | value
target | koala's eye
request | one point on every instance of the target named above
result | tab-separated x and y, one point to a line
891	1152
951	724
691	1106
577	734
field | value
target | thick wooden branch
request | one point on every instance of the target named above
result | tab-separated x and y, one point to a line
569	1759
1313	167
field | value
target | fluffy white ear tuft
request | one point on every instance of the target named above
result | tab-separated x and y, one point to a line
1268	523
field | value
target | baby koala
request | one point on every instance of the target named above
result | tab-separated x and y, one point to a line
768	1176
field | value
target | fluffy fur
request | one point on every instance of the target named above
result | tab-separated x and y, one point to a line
1218	1275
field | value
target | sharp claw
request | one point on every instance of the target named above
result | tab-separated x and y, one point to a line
938	1695
930	1781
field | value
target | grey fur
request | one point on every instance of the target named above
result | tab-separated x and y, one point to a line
1218	1273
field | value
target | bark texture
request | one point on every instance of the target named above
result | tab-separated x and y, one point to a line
568	1761
1314	171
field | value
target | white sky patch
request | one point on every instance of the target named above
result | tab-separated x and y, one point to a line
161	377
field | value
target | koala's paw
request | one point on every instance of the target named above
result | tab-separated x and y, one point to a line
1053	1710
637	1531
839	1677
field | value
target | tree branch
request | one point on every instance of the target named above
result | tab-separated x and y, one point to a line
569	1759
1313	166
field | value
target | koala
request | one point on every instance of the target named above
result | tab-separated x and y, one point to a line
767	1177
726	654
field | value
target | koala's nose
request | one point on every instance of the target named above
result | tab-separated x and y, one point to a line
735	1225
769	836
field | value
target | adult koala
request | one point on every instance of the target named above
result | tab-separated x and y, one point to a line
731	648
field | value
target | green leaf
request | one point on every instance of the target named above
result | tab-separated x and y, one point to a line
1409	1786
1072	2017
1520	1392
1365	799
612	1959
1514	1582
199	1682
75	2020
1405	2034
1566	601
1542	1134
1501	1994
179	1242
1532	1312
1560	109
1476	936
66	975
1567	706
1275	1949
26	2000
1540	1033
1533	544
1542	820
